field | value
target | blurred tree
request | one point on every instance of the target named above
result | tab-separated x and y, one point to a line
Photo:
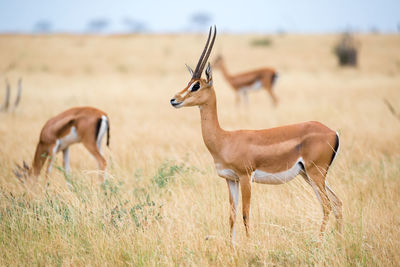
281	31
346	50
134	26
200	21
374	30
42	26
97	25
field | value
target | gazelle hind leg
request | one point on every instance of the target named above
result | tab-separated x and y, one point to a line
313	186
233	200
245	186
268	86
273	96
317	181
92	148
337	207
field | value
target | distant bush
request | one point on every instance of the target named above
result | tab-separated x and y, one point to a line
122	68
261	42
346	51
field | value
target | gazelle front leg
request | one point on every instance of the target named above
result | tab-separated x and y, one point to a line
52	157
337	207
245	96
233	187
66	160
245	186
237	97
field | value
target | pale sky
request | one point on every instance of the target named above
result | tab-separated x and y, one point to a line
257	16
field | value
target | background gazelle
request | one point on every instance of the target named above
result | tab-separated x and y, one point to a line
271	156
253	80
6	102
86	125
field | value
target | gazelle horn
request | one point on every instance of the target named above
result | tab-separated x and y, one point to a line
6	102
18	93
206	53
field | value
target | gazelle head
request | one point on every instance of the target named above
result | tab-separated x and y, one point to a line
197	92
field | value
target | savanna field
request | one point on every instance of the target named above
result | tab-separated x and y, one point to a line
163	203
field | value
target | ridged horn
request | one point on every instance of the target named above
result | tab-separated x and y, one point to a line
205	54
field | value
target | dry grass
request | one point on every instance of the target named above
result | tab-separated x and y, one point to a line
164	204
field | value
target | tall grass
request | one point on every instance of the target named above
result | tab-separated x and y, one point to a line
163	203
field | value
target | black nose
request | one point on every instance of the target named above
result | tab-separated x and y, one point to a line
174	102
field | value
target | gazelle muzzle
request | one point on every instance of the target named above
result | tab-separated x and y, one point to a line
175	103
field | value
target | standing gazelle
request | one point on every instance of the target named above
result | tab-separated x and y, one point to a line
271	156
253	80
86	125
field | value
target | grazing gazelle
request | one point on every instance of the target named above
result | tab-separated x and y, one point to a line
242	83
271	156
86	125
6	103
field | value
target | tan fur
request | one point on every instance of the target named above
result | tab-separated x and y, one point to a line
271	150
84	119
246	79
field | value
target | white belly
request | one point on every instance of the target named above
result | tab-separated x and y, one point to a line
256	85
262	177
253	87
226	173
69	139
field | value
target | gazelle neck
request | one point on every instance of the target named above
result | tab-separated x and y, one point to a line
212	132
38	160
224	71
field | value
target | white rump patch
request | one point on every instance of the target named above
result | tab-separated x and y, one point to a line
279	177
102	131
69	139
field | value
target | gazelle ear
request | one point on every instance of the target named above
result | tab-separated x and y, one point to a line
189	69
208	73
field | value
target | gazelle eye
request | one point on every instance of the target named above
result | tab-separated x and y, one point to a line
195	87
